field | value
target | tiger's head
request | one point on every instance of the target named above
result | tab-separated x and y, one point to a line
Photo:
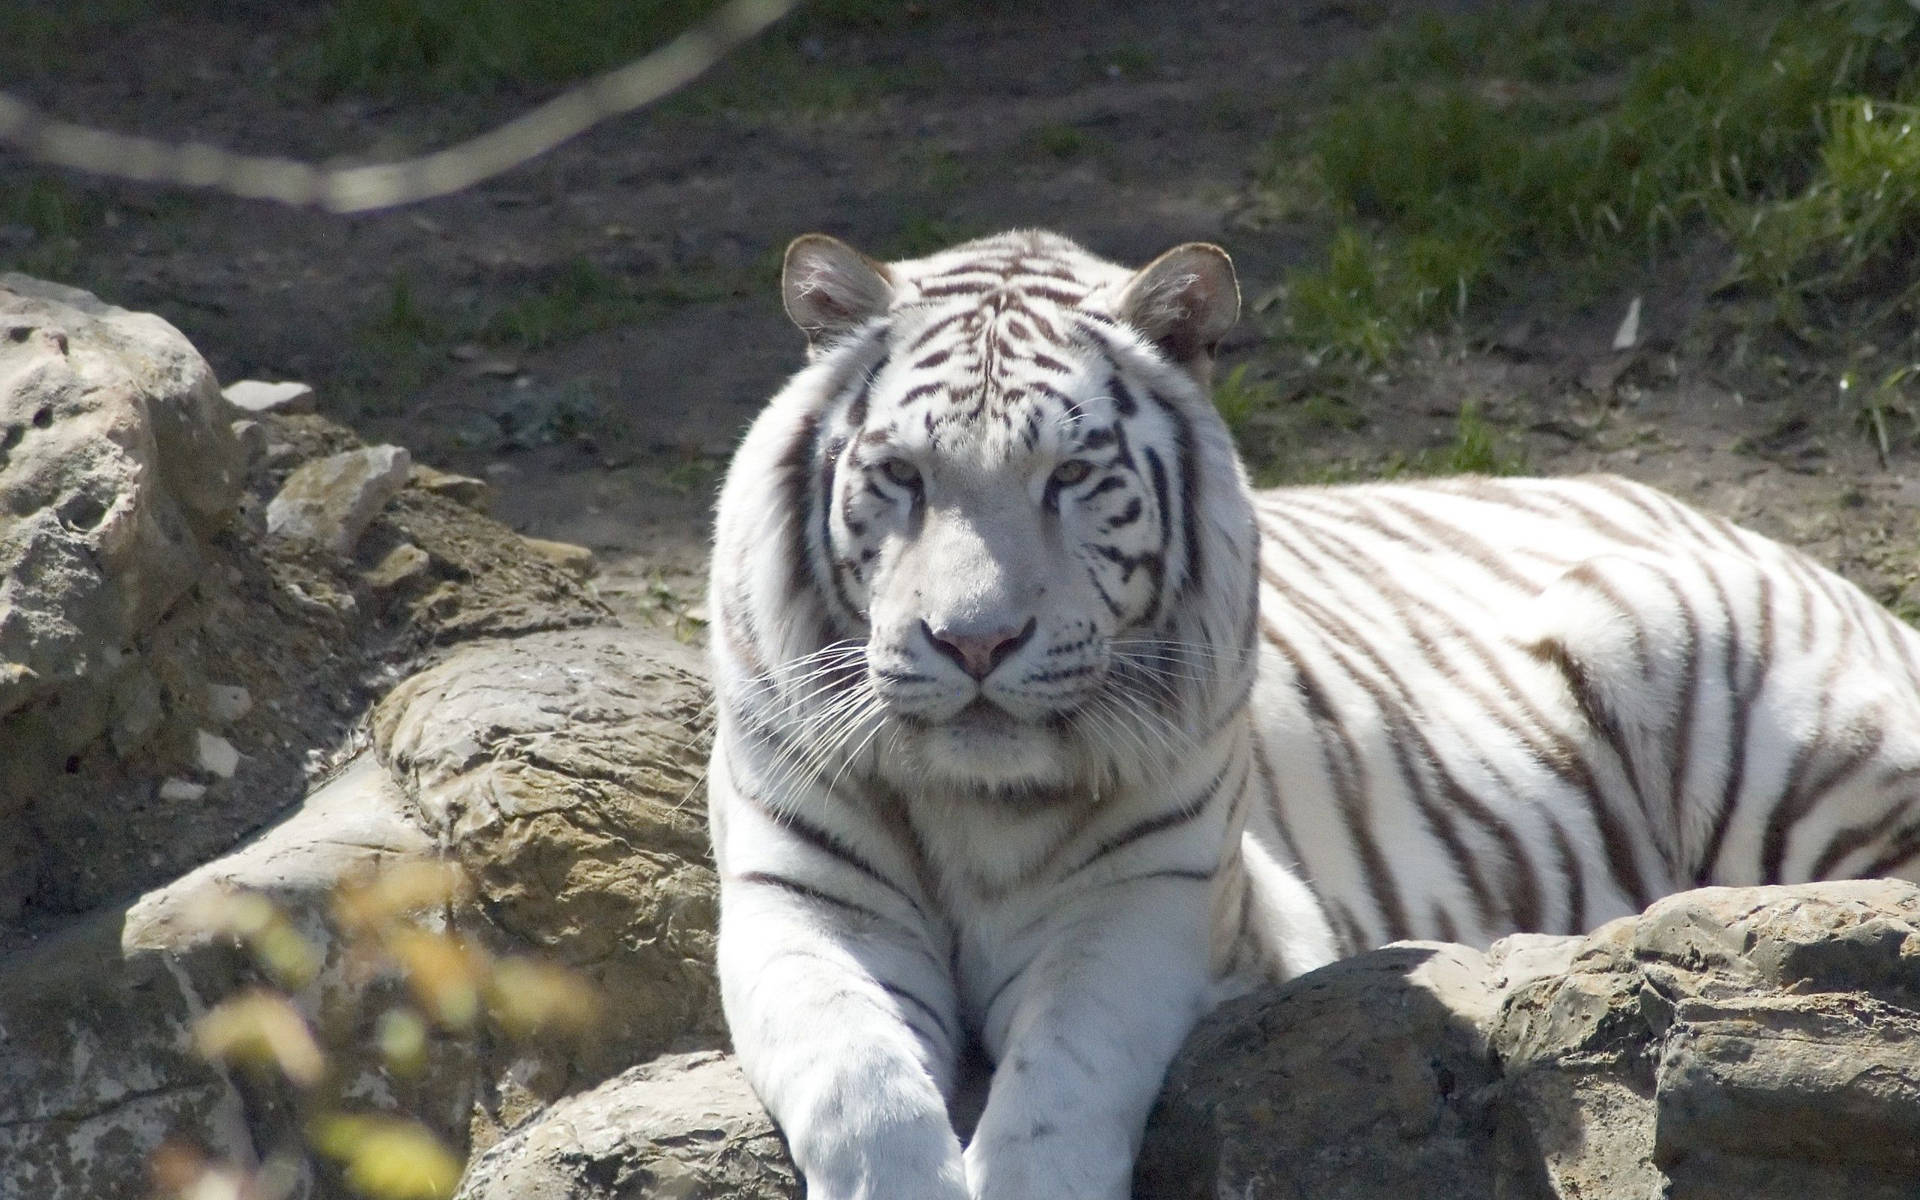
1019	544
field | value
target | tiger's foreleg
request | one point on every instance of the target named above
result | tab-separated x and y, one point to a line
1081	1037
842	1016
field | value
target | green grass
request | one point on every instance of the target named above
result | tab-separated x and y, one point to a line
1587	136
1478	447
1271	422
42	39
1063	142
443	47
580	297
1374	290
440	46
921	234
406	341
397	349
1241	400
50	223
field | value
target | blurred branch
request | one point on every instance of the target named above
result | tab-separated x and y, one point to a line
386	185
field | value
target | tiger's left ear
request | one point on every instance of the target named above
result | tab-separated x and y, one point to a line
1184	301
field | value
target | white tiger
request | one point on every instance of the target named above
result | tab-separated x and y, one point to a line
1039	733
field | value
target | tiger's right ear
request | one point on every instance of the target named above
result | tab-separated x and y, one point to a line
829	287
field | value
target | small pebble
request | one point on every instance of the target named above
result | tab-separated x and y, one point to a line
216	755
228	702
259	396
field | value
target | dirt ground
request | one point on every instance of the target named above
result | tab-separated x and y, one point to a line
1130	126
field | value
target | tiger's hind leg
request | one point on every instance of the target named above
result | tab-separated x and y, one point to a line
1758	714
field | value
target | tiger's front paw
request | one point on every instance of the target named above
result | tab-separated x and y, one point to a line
898	1157
1042	1160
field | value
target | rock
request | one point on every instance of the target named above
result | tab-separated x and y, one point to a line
98	1069
256	396
576	561
116	462
1368	1078
1764	1034
182	790
402	565
1728	1042
461	489
228	702
252	436
138	709
96	1065
563	770
331	501
483	580
215	755
685	1126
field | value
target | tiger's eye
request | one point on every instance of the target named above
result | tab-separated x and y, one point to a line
1074	470
900	471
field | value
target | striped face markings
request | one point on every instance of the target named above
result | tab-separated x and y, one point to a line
1002	510
1001	495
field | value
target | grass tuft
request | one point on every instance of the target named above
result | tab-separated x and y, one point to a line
46	221
1478	448
1470	150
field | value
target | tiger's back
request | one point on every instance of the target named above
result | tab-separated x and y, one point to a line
1489	705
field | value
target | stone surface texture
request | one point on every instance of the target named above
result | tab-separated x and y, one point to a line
136	573
564	772
96	1068
116	463
332	501
182	706
684	1126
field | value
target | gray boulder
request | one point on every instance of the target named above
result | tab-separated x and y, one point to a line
684	1125
1769	1040
135	559
1752	1042
1367	1078
116	462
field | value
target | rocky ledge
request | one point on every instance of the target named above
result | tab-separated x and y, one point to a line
240	653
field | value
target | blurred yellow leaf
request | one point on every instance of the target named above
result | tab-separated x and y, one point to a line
369	904
260	1029
386	1158
278	948
445	973
527	996
402	1038
183	1172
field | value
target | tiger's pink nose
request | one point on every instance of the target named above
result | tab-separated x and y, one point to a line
979	653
